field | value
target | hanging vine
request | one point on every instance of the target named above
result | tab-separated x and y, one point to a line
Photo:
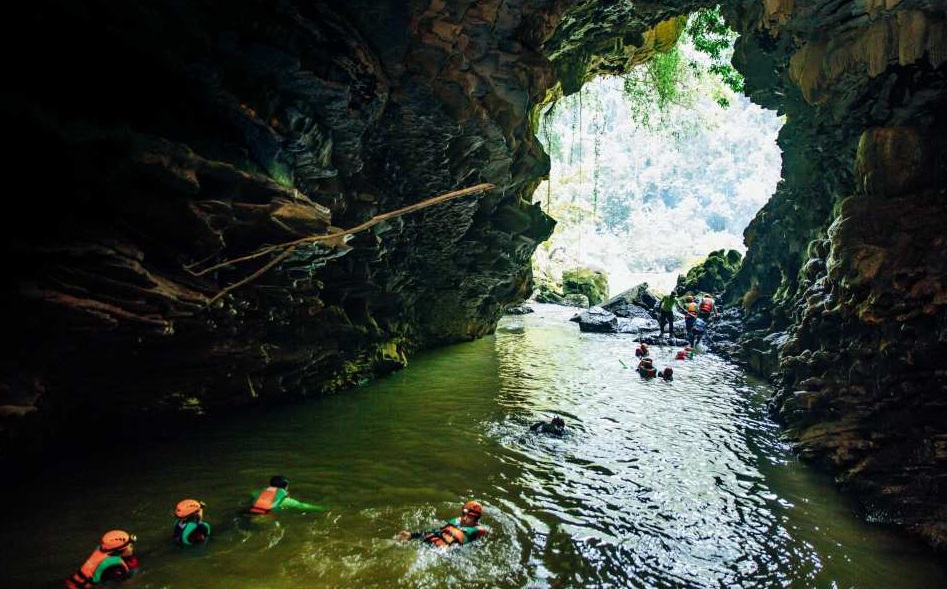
597	128
580	140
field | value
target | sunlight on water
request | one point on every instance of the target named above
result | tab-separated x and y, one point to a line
654	484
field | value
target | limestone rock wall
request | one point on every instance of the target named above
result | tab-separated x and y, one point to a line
155	141
843	283
159	147
151	143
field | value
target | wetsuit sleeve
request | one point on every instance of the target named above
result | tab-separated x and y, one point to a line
478	532
116	572
199	534
302	505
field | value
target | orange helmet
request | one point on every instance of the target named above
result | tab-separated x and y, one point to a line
116	540
473	508
188	507
689	298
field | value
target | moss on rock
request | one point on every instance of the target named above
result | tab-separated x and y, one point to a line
586	281
713	274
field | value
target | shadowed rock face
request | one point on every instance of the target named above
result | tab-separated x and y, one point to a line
843	282
153	141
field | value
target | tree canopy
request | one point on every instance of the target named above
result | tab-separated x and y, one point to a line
653	170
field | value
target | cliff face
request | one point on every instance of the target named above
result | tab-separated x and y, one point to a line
843	282
153	142
158	140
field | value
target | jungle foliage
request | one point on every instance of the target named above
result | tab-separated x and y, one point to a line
654	169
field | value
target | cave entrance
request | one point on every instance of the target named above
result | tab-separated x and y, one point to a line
653	170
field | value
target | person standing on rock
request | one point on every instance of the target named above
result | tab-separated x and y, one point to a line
707	308
666	313
689	309
699	329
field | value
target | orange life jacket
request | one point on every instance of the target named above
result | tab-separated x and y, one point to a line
706	305
690	309
266	501
84	576
447	536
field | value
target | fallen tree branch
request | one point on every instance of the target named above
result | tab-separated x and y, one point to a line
336	238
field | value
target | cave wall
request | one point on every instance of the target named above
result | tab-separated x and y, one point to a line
159	148
842	289
154	141
151	143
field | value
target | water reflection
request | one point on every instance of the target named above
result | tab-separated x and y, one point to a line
655	484
666	484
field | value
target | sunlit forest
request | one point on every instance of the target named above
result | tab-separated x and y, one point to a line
646	182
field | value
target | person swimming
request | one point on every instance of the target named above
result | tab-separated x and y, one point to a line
113	560
276	497
456	532
556	426
190	529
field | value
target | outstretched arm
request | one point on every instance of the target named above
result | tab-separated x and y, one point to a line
480	532
301	505
405	535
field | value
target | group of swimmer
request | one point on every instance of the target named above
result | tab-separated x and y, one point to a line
114	559
646	364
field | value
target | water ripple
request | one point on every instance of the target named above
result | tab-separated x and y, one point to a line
659	484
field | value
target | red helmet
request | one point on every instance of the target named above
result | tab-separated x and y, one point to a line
473	508
188	507
116	540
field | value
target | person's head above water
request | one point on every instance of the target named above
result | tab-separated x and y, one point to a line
116	541
279	481
188	507
558	422
472	510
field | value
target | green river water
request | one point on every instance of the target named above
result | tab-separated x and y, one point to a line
656	484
